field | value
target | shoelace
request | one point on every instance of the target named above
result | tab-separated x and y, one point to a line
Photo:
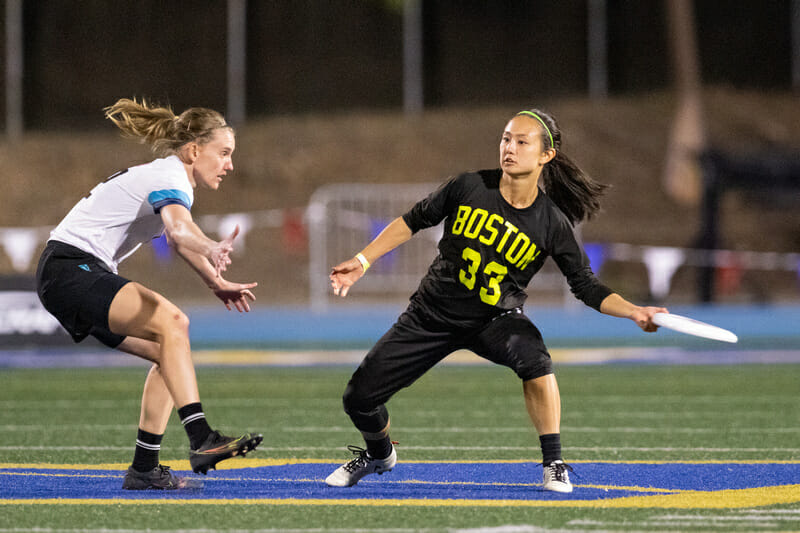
359	462
558	471
166	475
164	471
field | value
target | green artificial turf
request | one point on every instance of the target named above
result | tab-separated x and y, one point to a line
454	413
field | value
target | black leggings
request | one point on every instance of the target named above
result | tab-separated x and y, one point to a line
415	343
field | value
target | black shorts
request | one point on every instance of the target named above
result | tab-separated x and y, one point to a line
417	342
77	289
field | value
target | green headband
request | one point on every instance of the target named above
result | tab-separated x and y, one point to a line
537	117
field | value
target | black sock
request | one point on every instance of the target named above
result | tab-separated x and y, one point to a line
379	449
145	456
551	447
194	422
374	427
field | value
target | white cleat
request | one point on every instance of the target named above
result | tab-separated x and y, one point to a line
350	473
556	477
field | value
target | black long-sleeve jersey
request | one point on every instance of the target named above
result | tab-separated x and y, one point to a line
490	250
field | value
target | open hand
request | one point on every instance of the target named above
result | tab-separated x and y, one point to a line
236	295
344	275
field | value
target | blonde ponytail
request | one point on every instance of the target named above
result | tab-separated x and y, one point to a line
160	128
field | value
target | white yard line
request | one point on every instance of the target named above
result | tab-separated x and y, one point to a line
524	429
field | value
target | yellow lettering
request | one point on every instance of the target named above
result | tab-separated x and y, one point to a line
488	240
491	293
510	228
479	224
468	278
529	257
474	225
461	219
517	248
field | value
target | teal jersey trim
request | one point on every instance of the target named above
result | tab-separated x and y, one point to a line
159	199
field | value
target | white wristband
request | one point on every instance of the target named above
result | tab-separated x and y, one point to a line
363	261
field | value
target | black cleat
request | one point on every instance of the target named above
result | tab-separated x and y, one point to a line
218	447
159	478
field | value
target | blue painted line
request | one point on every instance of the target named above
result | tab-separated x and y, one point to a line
458	481
767	334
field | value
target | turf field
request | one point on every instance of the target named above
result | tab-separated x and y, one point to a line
667	448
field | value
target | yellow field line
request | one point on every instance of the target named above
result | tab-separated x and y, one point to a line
175	465
50	474
237	464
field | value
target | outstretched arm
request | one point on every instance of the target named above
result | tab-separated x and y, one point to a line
186	236
232	294
206	256
616	305
345	274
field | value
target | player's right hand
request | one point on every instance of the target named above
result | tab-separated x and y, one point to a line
220	254
344	275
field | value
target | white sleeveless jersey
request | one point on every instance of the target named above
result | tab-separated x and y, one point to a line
113	220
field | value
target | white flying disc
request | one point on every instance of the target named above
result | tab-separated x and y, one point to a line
694	327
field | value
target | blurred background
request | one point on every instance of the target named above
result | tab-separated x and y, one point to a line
348	111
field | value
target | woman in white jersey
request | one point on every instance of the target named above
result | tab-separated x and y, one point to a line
77	279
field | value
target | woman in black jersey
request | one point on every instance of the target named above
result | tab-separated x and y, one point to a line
500	226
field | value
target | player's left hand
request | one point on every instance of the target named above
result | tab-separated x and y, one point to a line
235	294
643	316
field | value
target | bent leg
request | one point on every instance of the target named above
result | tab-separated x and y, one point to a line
513	341
157	401
401	356
154	414
136	311
397	360
543	402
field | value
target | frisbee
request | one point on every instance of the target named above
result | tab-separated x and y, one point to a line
694	327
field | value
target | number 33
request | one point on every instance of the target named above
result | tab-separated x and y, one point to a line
495	271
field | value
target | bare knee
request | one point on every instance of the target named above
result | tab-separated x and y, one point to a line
171	322
140	312
180	322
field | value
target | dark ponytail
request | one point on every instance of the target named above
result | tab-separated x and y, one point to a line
570	188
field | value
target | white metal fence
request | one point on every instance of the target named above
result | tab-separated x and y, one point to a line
343	218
